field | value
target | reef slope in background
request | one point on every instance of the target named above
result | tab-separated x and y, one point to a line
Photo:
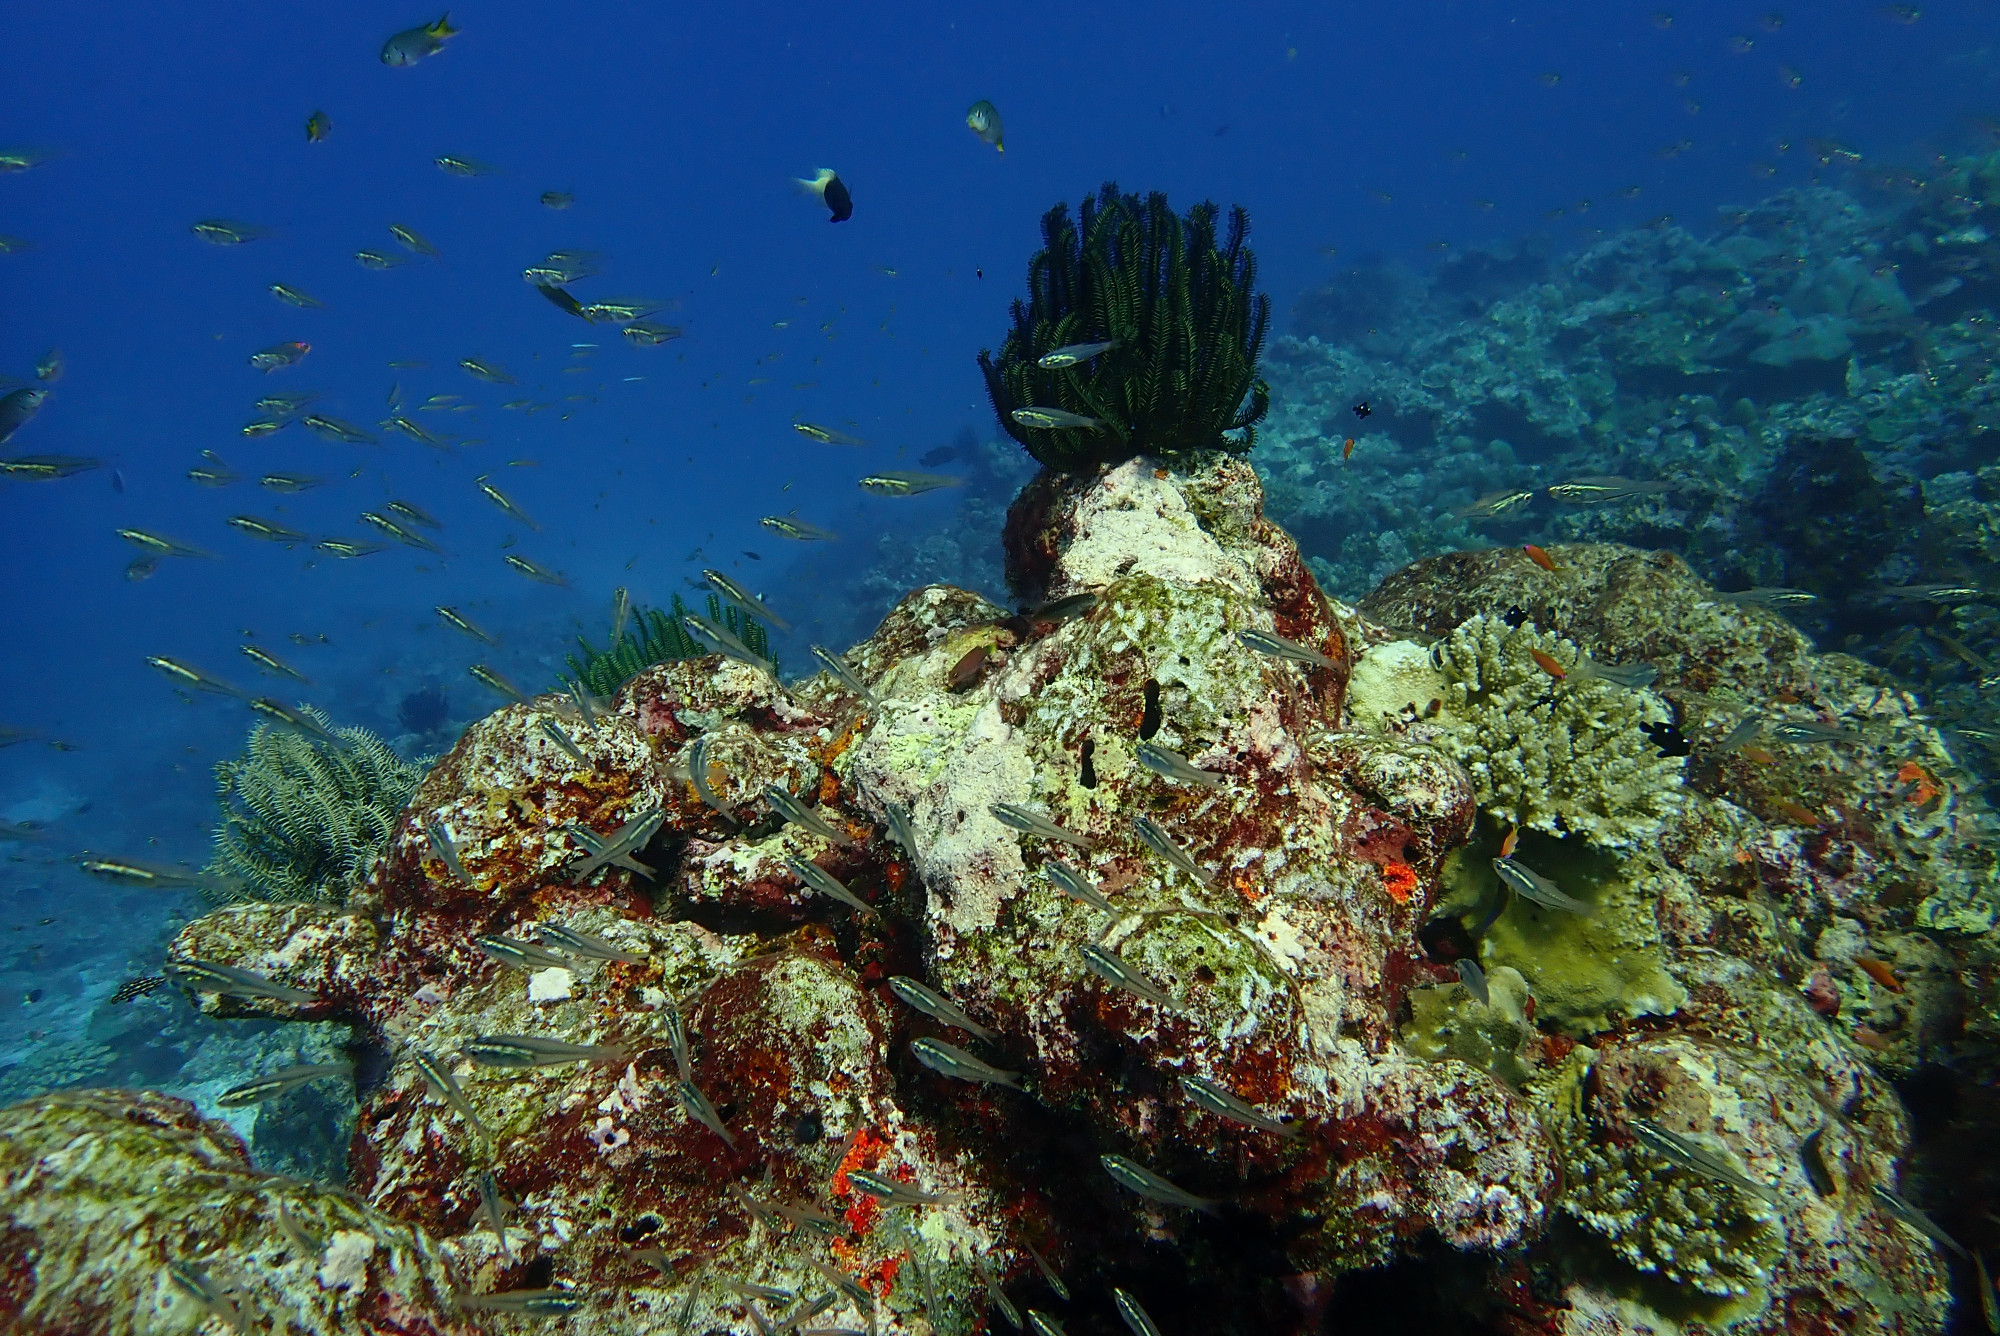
1770	938
1807	387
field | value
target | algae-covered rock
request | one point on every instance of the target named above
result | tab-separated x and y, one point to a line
1396	682
1283	926
319	949
505	797
105	1193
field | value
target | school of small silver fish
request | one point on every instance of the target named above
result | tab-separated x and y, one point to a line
977	1054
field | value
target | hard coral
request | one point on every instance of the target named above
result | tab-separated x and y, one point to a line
1714	1237
1563	756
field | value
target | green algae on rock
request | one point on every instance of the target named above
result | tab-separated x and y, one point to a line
104	1190
1447	1021
1588	973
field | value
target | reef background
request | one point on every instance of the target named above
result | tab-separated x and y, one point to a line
1743	252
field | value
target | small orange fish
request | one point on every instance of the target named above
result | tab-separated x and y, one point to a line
1507	844
1539	557
1880	971
1758	754
1548	663
1919	787
1791	811
1347	451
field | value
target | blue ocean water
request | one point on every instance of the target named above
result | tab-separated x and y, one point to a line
1397	134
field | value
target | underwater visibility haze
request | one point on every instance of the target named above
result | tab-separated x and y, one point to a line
1077	668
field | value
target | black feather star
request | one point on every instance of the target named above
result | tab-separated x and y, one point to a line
1177	296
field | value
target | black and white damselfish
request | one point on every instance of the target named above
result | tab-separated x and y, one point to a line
826	183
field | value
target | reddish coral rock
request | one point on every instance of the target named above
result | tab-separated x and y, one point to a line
1267	893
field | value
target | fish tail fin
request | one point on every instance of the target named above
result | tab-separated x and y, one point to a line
442	28
817	185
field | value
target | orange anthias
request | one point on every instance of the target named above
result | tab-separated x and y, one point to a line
1539	557
1880	971
1549	664
1798	812
1507	845
1919	787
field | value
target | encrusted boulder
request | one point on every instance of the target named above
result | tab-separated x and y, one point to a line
1201	863
126	1213
1800	923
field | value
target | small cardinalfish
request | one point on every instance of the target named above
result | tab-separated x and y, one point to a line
1494	504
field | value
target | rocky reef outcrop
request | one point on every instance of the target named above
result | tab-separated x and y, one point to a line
127	1212
1802	389
1156	940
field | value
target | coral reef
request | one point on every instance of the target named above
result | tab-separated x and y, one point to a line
423	711
302	815
119	1206
658	637
1174	324
1298	875
1564	756
1811	375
